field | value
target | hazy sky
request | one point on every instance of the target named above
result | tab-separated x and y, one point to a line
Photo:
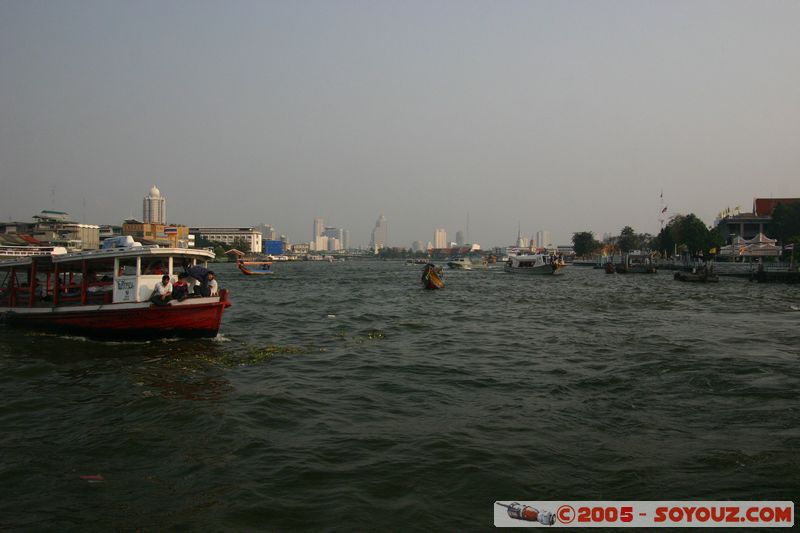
560	115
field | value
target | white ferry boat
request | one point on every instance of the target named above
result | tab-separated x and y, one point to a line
542	264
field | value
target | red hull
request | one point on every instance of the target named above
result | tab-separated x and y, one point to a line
197	320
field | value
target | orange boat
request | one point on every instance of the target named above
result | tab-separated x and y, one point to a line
255	268
431	278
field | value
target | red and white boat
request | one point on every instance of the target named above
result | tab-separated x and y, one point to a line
106	293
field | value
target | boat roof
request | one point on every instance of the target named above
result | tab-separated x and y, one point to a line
94	255
133	252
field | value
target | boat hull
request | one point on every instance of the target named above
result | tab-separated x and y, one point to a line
544	270
248	271
433	282
696	278
124	321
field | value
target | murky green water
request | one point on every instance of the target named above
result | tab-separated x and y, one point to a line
344	397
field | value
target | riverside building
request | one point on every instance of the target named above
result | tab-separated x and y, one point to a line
227	236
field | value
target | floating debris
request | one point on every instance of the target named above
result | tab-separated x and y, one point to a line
96	478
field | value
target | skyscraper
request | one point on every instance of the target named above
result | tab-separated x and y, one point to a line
154	208
380	234
460	238
319	227
543	239
440	238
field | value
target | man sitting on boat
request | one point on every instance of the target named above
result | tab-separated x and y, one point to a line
162	293
180	289
208	285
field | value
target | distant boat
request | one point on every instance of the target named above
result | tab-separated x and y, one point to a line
15	252
701	275
542	264
255	268
636	263
461	263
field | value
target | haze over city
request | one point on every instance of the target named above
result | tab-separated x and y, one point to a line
562	116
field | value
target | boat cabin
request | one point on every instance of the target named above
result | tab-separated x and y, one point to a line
532	261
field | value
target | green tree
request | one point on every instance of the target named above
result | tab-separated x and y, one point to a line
688	232
627	240
786	222
584	243
240	244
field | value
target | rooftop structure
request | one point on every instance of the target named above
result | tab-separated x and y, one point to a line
154	207
765	206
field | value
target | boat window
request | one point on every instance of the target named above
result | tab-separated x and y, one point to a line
127	266
101	271
180	263
155	266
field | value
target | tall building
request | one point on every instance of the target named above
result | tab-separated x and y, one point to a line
380	234
335	238
268	233
154	209
460	238
440	238
346	239
319	227
543	239
417	246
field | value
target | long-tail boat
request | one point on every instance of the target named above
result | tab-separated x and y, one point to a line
255	268
432	278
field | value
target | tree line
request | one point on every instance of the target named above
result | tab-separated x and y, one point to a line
688	234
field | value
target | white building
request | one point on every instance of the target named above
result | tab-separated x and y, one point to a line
380	234
319	244
228	236
154	210
268	233
440	238
543	239
319	227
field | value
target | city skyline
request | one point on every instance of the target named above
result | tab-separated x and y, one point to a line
567	116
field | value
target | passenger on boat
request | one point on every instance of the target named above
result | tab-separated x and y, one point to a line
213	288
208	285
180	289
155	268
162	293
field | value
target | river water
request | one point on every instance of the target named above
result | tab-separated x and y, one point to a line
344	397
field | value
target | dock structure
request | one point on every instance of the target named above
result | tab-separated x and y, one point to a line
775	276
